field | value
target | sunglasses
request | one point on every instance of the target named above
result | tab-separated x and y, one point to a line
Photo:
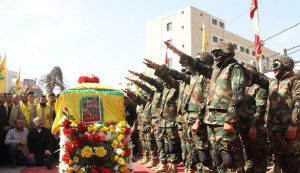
276	65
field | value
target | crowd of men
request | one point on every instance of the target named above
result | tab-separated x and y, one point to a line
218	115
25	124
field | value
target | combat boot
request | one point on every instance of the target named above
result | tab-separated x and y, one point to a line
157	166
162	168
144	157
147	158
275	169
151	163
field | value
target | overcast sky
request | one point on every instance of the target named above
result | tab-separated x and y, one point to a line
106	38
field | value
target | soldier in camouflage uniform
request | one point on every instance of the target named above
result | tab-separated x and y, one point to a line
226	93
253	133
283	113
146	125
182	85
156	118
141	102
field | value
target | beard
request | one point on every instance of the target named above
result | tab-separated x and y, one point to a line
94	111
43	104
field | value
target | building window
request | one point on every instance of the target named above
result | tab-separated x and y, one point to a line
169	26
215	22
221	24
215	39
182	27
170	63
235	46
200	14
247	51
169	41
242	49
182	12
263	57
221	39
183	45
253	53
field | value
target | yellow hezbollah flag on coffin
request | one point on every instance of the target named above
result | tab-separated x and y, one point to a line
90	102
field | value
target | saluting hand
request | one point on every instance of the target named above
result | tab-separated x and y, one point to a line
135	73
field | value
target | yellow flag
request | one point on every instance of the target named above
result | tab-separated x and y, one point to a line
18	85
205	43
3	75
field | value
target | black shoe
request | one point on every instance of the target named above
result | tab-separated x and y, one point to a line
47	163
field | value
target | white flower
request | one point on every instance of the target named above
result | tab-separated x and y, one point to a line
116	167
76	167
108	135
118	151
130	146
117	129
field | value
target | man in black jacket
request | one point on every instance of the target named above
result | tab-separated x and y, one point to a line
4	127
40	143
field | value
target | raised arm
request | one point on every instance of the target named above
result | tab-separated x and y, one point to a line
142	86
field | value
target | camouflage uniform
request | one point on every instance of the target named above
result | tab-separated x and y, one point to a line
155	115
226	91
283	111
168	114
252	115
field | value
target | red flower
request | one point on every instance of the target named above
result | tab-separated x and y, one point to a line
94	171
127	152
85	138
96	138
105	170
65	158
66	123
88	79
77	143
65	131
127	131
93	166
69	149
72	132
81	127
66	109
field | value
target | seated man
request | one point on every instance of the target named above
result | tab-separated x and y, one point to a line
16	140
40	143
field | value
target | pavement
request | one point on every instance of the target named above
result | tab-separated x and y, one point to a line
7	169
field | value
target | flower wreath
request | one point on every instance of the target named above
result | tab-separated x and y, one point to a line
88	79
95	147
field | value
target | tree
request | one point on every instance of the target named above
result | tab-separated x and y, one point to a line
53	79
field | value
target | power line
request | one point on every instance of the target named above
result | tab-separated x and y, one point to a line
287	50
294	52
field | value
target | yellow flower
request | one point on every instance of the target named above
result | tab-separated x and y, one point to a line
121	123
80	171
120	137
95	128
71	162
116	157
104	129
122	145
70	169
89	130
112	131
122	153
75	159
114	143
117	172
123	169
87	152
120	160
122	130
123	163
100	151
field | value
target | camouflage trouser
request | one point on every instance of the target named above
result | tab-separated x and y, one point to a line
286	151
142	138
226	148
169	141
150	144
255	150
160	144
190	119
201	144
181	132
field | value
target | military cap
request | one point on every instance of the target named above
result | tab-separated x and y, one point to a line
286	61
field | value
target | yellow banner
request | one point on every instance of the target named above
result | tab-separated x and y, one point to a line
90	102
3	75
18	85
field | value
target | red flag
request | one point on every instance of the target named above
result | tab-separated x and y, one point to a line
255	23
166	58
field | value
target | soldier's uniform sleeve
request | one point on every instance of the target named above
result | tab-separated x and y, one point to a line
176	74
159	86
167	78
141	100
144	87
197	65
238	89
296	100
261	102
